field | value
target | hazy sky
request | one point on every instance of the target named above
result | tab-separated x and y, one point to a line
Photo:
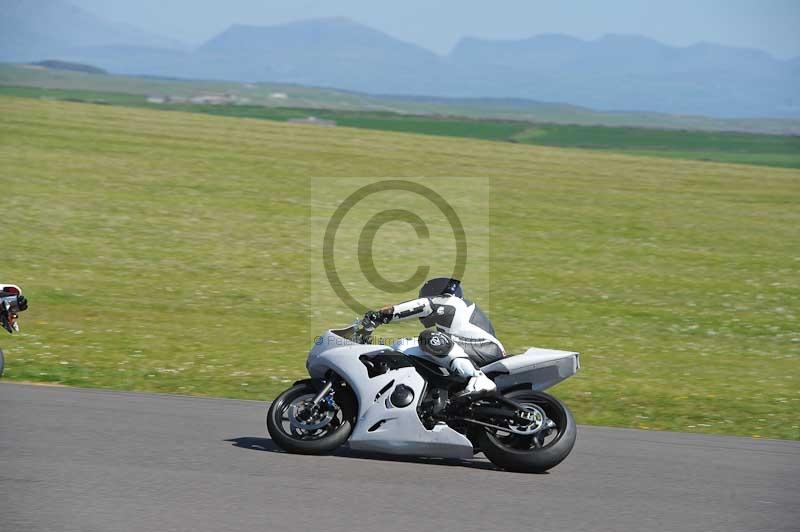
772	25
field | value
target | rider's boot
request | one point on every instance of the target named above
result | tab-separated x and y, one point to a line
477	386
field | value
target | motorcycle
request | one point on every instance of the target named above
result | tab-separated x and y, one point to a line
390	399
12	302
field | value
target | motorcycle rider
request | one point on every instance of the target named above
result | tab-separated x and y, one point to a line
458	321
11	303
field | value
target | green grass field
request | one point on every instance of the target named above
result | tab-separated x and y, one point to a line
728	147
169	251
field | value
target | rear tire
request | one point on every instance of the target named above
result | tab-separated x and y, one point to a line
327	443
520	457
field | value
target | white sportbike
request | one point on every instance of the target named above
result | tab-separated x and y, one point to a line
390	399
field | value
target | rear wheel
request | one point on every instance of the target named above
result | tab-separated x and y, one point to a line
552	435
297	426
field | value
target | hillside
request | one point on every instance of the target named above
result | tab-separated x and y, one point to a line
741	148
170	252
297	96
70	67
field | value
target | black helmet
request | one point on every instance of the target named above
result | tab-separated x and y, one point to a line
441	286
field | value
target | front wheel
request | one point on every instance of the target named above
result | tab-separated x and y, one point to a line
544	448
296	426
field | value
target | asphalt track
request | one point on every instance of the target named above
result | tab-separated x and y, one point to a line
89	460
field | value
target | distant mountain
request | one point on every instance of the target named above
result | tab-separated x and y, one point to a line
333	52
794	64
40	29
612	73
622	72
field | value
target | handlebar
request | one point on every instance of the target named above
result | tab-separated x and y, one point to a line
359	333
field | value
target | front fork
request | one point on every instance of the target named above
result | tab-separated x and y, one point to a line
326	389
323	387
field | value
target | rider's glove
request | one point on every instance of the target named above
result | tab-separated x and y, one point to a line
371	320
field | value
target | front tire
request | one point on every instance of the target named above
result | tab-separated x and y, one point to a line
532	454
323	440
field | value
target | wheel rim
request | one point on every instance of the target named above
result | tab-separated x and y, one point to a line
544	438
297	420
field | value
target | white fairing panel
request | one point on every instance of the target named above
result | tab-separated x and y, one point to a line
541	368
388	429
5	287
394	430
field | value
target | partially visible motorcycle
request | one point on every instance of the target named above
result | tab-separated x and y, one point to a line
391	399
12	302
